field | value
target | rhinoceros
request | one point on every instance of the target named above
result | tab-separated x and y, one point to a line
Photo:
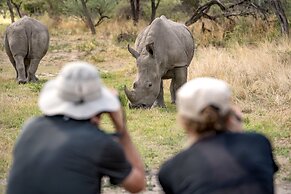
26	43
164	50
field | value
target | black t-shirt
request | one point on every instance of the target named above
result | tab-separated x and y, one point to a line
57	155
226	163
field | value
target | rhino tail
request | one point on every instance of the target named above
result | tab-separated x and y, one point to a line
29	42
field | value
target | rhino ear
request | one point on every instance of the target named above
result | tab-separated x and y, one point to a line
150	48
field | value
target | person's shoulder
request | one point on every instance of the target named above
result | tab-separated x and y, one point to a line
31	122
254	136
99	137
250	138
174	162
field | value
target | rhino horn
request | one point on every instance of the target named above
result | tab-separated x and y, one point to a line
130	94
133	52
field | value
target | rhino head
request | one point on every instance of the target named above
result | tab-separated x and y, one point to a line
146	87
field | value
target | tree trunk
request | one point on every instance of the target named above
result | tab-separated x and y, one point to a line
154	7
280	13
153	15
17	6
88	17
132	6
135	8
10	7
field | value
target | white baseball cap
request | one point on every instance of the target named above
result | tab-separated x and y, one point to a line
77	92
194	96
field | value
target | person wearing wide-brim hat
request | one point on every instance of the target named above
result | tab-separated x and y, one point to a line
65	151
220	158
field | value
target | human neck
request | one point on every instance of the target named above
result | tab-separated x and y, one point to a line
193	137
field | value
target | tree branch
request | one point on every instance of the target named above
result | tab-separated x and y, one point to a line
101	19
17	6
204	9
158	3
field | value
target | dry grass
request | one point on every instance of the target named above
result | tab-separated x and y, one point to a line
260	77
260	72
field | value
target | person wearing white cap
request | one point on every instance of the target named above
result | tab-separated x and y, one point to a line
220	159
65	151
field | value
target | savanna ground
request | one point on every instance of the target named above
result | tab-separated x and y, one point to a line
259	73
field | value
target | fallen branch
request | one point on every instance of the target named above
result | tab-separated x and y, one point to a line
202	11
247	8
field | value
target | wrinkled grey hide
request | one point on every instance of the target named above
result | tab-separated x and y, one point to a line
26	43
164	50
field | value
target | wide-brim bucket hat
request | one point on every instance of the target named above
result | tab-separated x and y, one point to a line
77	92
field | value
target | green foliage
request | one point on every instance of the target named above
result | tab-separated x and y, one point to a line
35	7
190	5
170	8
247	31
97	8
54	7
287	6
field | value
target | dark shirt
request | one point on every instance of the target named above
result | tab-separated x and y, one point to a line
55	155
226	163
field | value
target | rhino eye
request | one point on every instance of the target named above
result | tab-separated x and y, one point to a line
150	84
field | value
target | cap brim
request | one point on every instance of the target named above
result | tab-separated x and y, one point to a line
50	103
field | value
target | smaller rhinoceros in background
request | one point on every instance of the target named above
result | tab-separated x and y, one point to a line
26	43
164	50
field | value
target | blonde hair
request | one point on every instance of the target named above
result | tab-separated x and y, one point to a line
211	121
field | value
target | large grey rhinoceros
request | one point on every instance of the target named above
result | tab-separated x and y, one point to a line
26	43
164	50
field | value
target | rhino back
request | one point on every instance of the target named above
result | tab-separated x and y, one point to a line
39	38
28	37
16	38
174	44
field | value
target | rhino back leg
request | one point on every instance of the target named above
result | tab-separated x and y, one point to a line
160	99
26	65
20	69
32	67
17	41
38	48
172	91
180	77
10	56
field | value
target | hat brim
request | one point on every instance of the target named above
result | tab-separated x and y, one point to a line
51	104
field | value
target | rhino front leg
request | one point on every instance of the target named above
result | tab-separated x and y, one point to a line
180	77
20	68
172	91
32	70
160	99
